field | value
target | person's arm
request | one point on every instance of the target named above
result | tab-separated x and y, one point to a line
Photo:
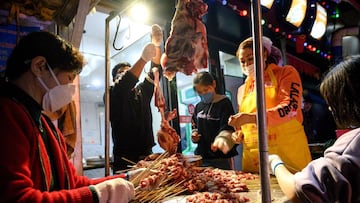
223	140
241	118
286	182
289	96
138	67
284	177
149	51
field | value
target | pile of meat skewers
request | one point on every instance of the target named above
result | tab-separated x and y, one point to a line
173	175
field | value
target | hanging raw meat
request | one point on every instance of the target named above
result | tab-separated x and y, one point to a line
186	48
167	136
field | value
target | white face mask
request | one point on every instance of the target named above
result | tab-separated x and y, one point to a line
57	97
249	71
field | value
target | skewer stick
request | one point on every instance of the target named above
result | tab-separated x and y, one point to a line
177	193
125	159
125	170
167	192
163	190
149	168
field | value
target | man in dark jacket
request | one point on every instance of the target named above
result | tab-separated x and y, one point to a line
130	112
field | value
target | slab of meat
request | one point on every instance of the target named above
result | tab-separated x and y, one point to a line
186	48
167	136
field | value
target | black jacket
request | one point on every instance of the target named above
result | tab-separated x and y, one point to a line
210	119
130	115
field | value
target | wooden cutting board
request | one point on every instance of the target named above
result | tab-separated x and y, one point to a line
277	196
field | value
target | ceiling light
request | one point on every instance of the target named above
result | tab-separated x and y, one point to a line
267	3
319	27
297	12
139	12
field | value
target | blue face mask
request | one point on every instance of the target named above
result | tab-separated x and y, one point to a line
207	97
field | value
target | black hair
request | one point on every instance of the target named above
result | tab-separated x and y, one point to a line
118	66
58	53
203	78
340	89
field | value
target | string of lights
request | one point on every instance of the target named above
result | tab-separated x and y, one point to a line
300	39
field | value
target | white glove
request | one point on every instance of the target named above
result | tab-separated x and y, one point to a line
274	161
116	190
149	52
222	143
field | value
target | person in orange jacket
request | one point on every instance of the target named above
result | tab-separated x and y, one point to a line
283	95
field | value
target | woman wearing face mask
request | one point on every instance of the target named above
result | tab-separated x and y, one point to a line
34	166
283	94
210	129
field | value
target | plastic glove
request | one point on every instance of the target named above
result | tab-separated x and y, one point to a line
116	190
149	51
274	161
222	143
156	35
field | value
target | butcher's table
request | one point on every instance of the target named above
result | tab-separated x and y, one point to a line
254	194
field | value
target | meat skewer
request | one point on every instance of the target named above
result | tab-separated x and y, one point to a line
172	175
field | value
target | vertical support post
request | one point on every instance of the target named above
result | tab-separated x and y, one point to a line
260	101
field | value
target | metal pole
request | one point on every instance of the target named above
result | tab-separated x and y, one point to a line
107	85
107	96
260	101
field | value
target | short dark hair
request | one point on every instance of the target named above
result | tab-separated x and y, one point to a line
58	53
340	89
118	66
203	78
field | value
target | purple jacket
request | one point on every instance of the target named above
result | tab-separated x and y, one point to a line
334	177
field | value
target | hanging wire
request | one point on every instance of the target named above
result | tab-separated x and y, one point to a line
116	34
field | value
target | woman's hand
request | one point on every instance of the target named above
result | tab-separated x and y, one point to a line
237	136
195	136
240	119
234	120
